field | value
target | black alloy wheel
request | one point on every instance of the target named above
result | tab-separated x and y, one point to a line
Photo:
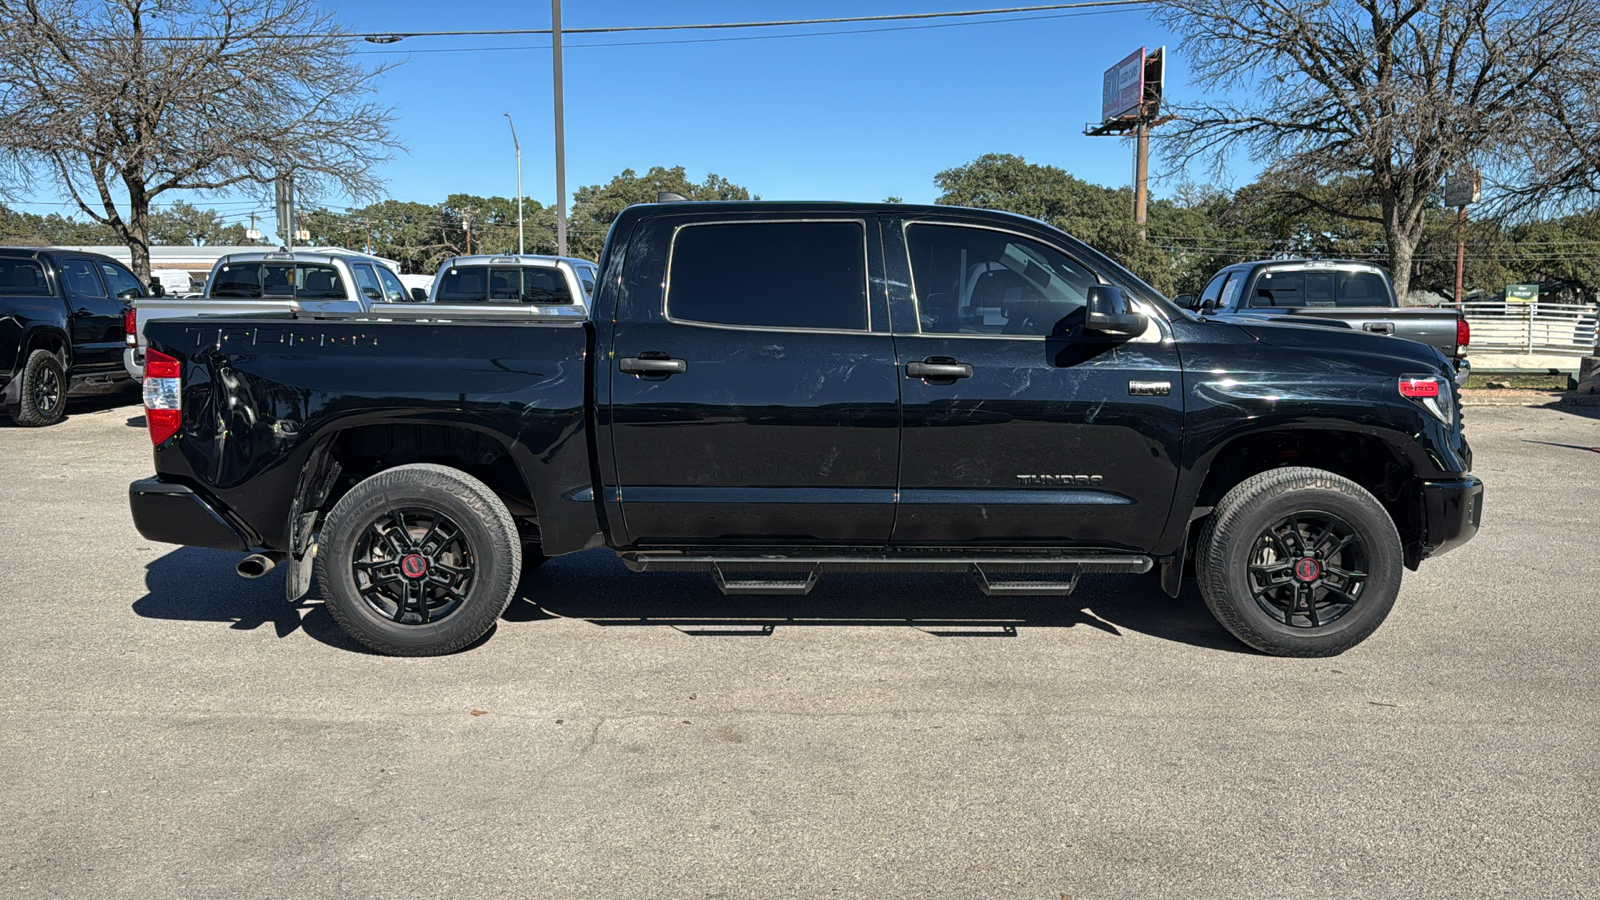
48	393
42	396
418	560
1308	569
1299	562
414	566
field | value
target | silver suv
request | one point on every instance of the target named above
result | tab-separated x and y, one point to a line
529	279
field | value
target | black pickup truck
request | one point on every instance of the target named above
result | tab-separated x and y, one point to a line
769	391
61	328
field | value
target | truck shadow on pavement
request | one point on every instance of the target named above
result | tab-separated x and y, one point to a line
199	585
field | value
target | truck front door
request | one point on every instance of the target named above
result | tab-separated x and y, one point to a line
754	396
1020	429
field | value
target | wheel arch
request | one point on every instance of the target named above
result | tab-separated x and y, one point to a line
1376	459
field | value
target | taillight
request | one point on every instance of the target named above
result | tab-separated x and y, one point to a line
163	395
130	327
1463	335
1428	392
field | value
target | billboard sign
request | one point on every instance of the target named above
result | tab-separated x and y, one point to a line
1463	187
1123	88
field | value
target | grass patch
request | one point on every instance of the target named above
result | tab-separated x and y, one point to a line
1521	382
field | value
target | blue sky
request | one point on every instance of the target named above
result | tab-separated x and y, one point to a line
844	116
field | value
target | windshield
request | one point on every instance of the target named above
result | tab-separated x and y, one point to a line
273	280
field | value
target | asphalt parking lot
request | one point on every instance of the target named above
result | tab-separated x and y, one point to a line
169	730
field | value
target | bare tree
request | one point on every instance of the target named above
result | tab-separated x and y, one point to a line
1394	94
120	101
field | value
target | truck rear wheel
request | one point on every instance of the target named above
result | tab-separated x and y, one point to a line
42	398
1299	562
418	560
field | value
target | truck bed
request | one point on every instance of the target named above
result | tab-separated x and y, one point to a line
260	403
1434	327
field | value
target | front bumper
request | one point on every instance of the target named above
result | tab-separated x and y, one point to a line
1463	369
1452	511
174	514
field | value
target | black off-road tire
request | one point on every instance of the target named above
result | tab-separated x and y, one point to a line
1240	526
42	398
365	518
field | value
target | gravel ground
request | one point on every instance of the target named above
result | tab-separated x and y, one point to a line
168	730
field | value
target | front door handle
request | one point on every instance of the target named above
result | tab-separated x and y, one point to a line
652	365
938	367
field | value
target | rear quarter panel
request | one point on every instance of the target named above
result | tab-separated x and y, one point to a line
260	395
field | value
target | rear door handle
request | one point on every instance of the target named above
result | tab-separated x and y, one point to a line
936	367
642	365
1380	327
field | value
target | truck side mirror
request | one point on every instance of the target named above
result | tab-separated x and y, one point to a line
418	295
1185	300
1109	313
157	289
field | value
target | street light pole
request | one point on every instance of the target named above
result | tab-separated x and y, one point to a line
561	136
514	143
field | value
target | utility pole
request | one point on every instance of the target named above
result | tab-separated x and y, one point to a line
514	143
561	135
1130	103
1141	175
466	218
1462	188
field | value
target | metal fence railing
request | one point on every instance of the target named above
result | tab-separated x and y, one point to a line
1531	327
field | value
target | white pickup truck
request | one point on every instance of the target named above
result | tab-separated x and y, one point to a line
271	281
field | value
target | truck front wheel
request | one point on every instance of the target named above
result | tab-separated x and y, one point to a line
418	560
1299	562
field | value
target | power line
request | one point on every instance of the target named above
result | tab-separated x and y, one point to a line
750	37
387	37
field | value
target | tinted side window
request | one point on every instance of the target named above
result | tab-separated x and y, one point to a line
770	275
81	279
1280	289
119	279
1362	289
367	281
1213	291
392	288
22	278
977	281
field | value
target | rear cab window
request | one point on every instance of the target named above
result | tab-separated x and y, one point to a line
81	279
772	275
268	280
542	285
22	278
1320	287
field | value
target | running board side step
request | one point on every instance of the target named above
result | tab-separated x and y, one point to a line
996	575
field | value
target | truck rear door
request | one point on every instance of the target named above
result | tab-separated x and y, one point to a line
96	316
754	394
1020	430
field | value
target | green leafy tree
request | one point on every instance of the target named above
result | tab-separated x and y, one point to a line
182	223
596	206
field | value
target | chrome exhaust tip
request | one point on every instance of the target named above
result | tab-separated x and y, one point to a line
258	564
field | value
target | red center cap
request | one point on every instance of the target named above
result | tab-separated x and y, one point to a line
414	566
1307	569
